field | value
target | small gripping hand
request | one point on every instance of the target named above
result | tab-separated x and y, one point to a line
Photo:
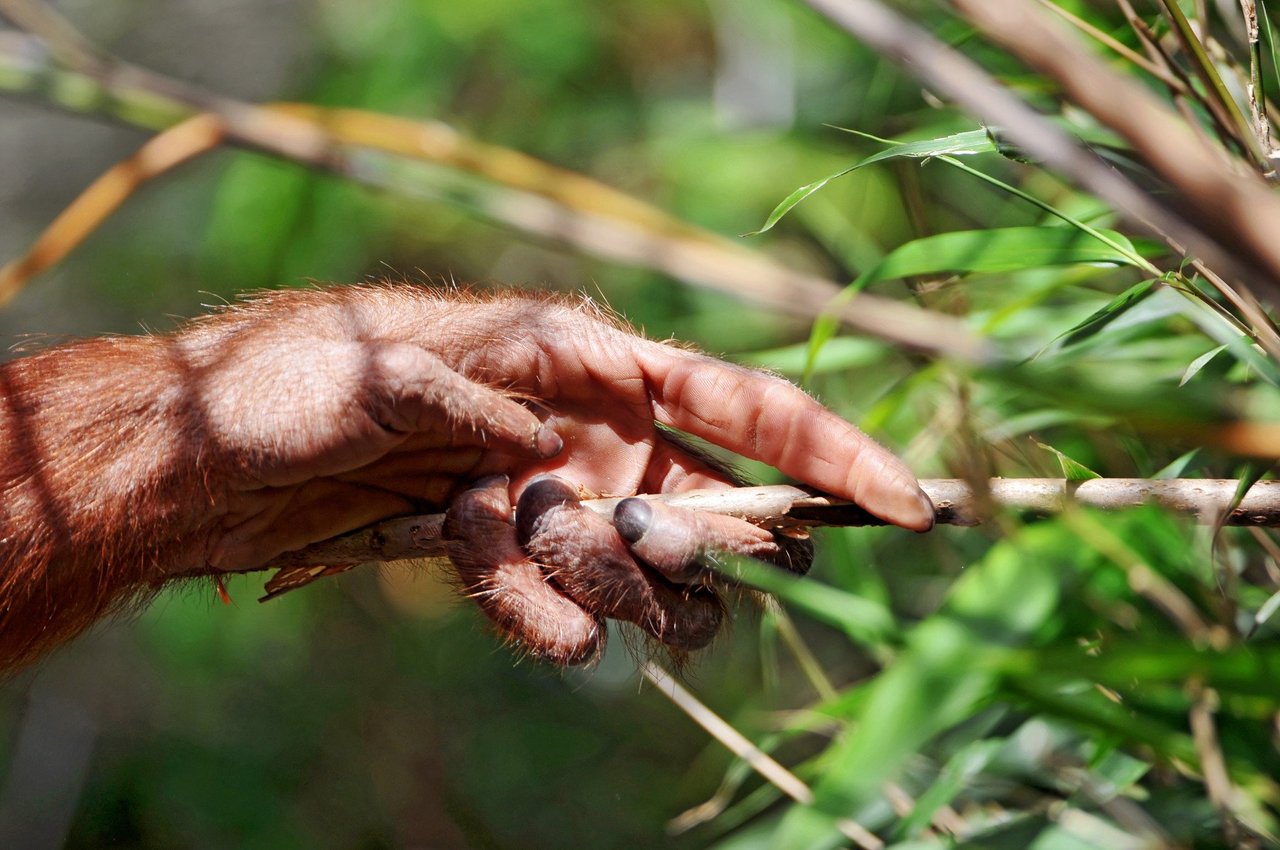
337	408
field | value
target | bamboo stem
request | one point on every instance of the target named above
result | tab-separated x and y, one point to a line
516	190
782	506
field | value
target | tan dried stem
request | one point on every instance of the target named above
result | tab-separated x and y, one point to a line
1219	196
957	502
530	196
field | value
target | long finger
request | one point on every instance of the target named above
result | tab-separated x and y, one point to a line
771	420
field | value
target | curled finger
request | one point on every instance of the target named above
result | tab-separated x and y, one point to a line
587	558
410	388
509	588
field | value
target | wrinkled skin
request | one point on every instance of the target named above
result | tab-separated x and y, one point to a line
305	414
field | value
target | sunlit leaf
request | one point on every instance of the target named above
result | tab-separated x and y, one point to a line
1267	610
1194	367
847	352
971	142
949	669
1072	469
996	250
1243	669
1113	310
1178	465
863	620
991	251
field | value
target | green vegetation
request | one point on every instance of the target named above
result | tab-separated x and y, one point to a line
1091	680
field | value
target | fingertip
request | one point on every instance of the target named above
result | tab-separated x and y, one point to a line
541	495
632	518
882	484
914	510
547	443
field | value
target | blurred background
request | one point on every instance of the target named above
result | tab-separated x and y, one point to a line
366	712
376	710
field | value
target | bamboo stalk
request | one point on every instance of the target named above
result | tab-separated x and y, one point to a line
519	191
784	506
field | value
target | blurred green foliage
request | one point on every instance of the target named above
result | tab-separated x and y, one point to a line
1028	684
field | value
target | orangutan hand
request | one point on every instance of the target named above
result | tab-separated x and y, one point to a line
302	415
350	405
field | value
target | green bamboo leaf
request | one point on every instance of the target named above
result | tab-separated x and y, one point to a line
1178	466
1216	89
1137	259
1112	311
1116	772
960	144
1265	612
967	143
1243	669
841	354
955	776
1092	711
998	250
992	251
952	666
1072	470
1035	420
1089	833
863	620
1268	36
1199	363
823	331
1246	476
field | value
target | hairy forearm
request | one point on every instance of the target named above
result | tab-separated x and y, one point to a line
125	461
103	492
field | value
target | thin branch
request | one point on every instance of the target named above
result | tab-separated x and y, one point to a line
1159	71
760	761
1213	763
1257	83
162	153
1216	97
1236	209
784	506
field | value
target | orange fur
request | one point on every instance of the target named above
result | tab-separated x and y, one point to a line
110	482
127	462
101	487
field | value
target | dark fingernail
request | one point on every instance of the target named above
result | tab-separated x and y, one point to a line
543	493
547	442
490	481
632	518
